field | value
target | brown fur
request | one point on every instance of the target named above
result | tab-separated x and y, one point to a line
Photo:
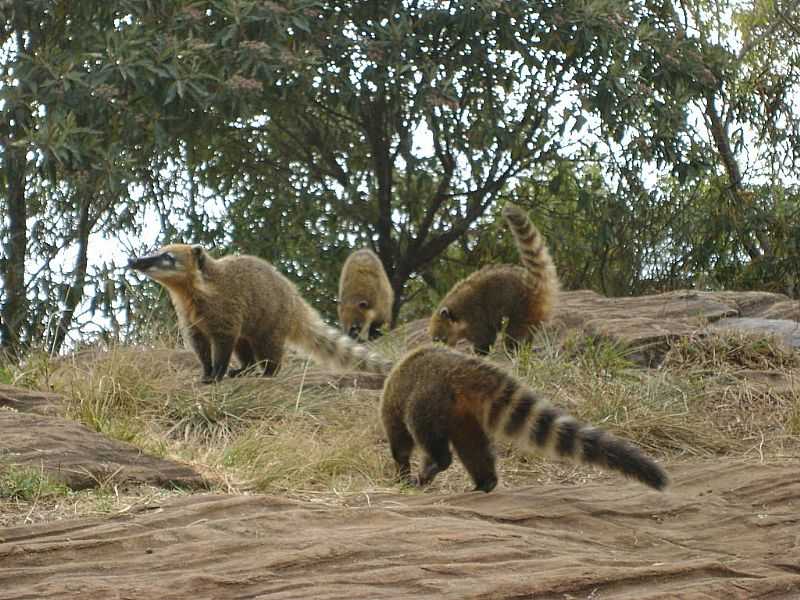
436	396
242	304
365	295
475	307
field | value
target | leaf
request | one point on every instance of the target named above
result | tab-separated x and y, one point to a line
172	91
300	23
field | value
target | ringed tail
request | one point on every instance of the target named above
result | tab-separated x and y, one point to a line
331	346
522	416
532	248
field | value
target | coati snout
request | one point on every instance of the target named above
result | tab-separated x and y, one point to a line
165	261
162	261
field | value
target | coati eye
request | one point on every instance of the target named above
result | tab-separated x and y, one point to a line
170	257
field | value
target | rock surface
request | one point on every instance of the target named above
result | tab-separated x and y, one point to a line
786	330
40	403
726	529
81	458
649	324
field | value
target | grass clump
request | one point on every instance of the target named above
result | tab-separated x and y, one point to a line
302	434
6	375
298	430
28	484
596	382
730	351
748	382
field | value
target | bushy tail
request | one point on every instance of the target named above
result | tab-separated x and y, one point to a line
329	346
532	248
520	415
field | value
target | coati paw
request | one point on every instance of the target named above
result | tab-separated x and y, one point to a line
207	379
420	481
410	480
485	486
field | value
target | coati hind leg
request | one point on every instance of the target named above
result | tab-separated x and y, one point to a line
429	426
401	444
246	355
270	354
474	449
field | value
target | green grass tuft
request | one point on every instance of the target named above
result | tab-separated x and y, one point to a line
28	484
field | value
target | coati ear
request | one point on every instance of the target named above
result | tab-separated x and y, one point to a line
446	314
363	304
199	255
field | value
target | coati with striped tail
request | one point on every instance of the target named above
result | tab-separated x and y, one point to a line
436	396
365	296
242	304
475	307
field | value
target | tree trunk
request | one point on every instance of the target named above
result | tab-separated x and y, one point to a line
722	141
15	308
75	292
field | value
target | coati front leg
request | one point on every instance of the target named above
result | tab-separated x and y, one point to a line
517	332
402	445
430	430
437	458
375	331
474	448
483	336
221	351
199	343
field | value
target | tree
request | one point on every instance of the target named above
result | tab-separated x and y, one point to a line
313	126
97	96
415	116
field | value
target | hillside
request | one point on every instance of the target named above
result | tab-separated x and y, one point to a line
124	464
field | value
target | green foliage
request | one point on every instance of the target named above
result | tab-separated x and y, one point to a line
27	484
97	101
654	145
341	152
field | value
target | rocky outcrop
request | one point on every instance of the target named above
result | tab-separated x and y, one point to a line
80	458
726	529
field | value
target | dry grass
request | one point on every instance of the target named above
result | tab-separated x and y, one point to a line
68	504
748	384
299	435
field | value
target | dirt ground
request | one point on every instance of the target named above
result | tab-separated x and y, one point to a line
725	529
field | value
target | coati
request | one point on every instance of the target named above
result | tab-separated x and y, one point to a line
436	396
475	307
242	304
365	296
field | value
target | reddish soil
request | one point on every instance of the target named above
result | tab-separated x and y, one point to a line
725	529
